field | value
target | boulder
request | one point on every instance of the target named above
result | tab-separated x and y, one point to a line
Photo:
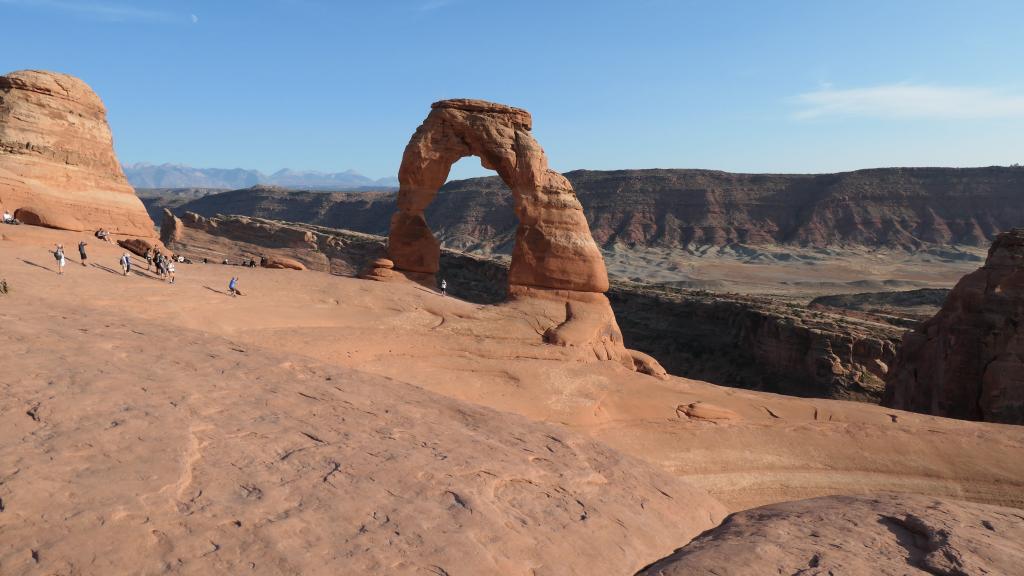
968	360
57	161
139	246
282	262
889	534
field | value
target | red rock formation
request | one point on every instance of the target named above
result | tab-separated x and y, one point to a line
554	257
281	262
968	360
553	247
57	162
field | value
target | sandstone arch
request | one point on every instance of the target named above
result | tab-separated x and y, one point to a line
555	261
553	246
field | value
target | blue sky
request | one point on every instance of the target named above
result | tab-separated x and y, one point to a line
752	86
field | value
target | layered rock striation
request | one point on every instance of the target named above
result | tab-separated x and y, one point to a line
968	360
57	163
898	208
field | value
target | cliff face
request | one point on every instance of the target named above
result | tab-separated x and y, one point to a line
906	208
57	162
757	343
968	360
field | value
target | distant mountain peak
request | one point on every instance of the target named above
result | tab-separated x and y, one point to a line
167	175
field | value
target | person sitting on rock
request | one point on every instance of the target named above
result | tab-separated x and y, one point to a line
103	235
7	217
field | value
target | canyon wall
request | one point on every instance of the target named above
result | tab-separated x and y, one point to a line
968	360
905	208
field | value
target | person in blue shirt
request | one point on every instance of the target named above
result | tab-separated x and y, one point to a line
233	286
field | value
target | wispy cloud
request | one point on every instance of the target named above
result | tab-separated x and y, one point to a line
906	100
96	10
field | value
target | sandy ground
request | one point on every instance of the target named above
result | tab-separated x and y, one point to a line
141	353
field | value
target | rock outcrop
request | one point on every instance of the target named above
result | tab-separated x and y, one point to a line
907	535
554	256
968	361
57	162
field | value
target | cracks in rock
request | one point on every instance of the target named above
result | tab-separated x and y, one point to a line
335	468
33	412
928	547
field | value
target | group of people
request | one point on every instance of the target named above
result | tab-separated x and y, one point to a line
164	264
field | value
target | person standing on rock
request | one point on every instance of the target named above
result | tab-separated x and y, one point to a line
81	251
170	271
233	286
58	255
444	287
149	258
126	263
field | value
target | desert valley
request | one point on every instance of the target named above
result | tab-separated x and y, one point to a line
658	372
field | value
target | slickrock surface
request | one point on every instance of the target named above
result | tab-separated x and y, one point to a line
881	536
779	448
141	436
57	162
968	360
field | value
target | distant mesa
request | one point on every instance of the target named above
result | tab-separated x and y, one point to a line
968	361
57	163
932	210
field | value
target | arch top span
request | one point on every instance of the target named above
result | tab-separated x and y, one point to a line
553	246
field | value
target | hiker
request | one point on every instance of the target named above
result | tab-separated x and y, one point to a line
4	288
103	235
126	263
58	255
444	287
8	219
233	286
149	258
170	271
